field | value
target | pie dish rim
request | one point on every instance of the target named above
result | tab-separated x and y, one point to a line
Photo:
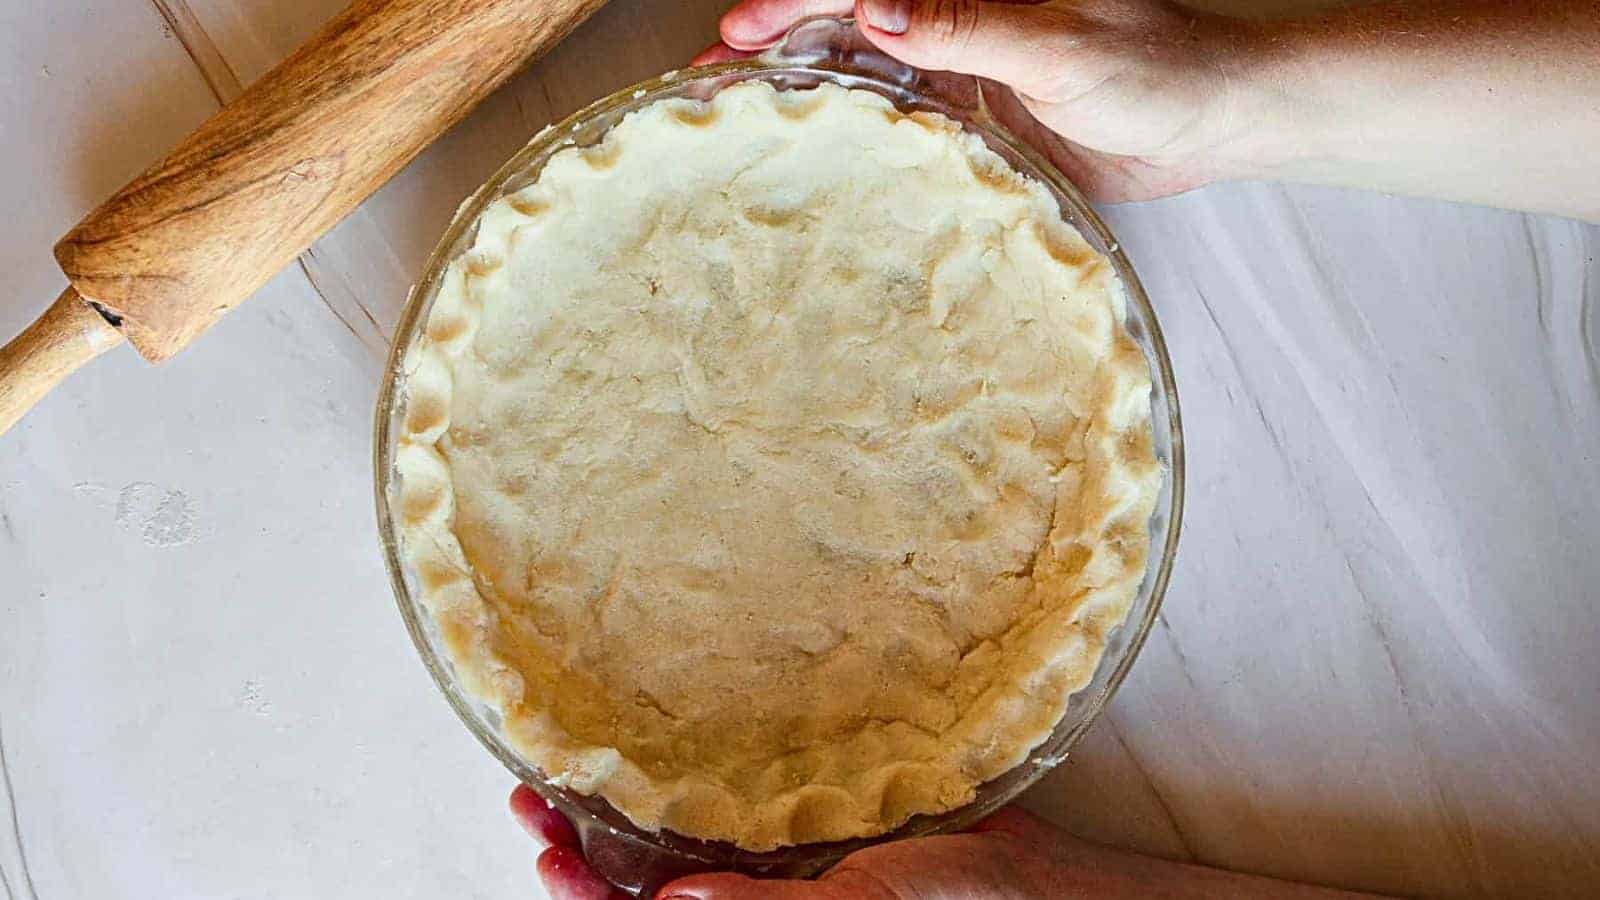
816	51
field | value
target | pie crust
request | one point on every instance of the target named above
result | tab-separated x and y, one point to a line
778	466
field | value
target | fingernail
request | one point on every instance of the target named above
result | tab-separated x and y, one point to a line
893	16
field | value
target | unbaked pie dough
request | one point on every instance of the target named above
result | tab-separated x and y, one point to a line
778	466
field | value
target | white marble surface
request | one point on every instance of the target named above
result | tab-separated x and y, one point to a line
1376	666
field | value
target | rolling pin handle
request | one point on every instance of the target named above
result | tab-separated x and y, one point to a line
69	334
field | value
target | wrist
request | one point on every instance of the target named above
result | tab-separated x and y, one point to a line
1263	120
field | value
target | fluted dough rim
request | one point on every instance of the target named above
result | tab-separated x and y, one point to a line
1040	662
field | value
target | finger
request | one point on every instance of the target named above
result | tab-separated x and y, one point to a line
567	876
728	886
1009	42
757	24
719	52
540	820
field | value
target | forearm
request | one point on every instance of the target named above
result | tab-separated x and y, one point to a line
1484	101
1082	869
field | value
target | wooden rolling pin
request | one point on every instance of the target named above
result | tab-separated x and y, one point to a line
261	180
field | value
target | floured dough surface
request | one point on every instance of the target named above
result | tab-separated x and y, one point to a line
777	466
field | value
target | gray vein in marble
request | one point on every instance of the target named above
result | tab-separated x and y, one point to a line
1458	831
1448	588
1544	304
1586	321
6	526
1399	484
214	69
5	882
1155	791
1177	651
1349	313
1540	283
1255	399
16	824
365	329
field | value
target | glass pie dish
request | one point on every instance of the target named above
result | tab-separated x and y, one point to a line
814	52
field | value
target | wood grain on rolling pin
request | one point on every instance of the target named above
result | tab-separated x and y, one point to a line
261	180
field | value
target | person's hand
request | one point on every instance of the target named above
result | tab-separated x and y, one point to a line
1004	856
1012	855
1134	95
1474	100
563	870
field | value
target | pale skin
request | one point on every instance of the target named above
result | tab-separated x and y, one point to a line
1011	856
1481	101
1492	102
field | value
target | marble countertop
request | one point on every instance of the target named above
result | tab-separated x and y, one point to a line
1376	667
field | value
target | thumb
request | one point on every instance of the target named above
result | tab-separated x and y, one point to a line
1005	41
729	886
